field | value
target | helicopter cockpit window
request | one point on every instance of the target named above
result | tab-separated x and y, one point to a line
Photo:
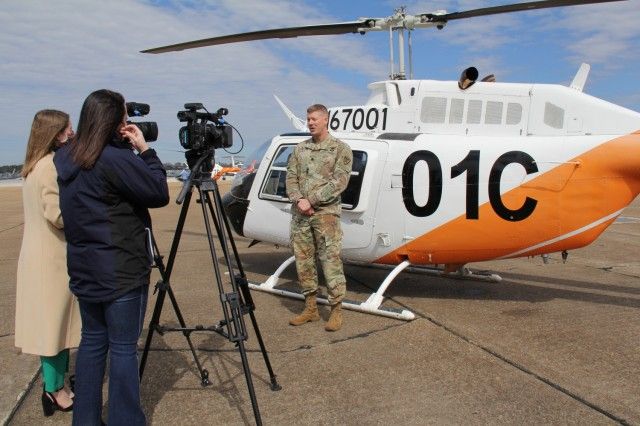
274	187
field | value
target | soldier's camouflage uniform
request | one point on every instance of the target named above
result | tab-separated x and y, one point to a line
319	172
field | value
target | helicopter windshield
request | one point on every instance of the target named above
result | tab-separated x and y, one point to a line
252	163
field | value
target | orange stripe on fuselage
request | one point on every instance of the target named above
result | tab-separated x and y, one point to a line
571	196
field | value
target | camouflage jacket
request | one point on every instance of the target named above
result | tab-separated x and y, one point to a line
319	172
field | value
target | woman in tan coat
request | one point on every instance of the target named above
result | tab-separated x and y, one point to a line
47	315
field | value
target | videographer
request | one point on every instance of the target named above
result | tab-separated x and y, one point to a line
105	191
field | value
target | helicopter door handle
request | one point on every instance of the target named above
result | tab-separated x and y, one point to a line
286	209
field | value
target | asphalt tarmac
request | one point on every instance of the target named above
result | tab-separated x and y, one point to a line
554	343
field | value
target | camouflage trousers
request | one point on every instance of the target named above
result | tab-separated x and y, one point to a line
319	236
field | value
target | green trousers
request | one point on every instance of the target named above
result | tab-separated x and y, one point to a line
53	370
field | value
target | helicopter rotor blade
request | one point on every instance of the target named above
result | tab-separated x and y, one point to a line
309	30
516	7
364	25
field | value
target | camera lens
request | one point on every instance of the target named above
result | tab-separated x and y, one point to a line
149	129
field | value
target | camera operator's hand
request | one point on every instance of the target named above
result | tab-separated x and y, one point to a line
135	136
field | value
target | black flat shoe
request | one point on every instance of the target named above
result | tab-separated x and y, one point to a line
50	405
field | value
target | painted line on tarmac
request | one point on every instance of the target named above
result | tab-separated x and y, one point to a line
21	397
13	227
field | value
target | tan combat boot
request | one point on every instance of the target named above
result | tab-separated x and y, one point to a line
335	319
310	312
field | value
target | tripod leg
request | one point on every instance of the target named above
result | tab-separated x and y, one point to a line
247	375
248	302
164	287
236	314
225	220
231	302
242	283
153	325
274	382
204	374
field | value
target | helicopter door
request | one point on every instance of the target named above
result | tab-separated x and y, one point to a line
360	198
275	208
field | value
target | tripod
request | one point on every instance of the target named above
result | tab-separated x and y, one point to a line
235	304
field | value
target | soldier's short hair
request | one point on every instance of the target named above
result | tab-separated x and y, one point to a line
318	107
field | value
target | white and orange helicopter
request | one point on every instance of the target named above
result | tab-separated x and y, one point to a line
451	172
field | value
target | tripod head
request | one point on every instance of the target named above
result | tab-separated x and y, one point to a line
200	163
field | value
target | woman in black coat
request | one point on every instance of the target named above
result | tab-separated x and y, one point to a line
105	191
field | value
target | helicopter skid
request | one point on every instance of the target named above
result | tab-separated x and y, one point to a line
346	304
370	306
462	273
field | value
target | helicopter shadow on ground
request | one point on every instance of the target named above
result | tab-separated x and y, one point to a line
513	287
572	283
363	281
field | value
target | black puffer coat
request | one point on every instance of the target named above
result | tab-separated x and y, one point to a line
105	214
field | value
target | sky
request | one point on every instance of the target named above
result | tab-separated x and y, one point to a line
54	53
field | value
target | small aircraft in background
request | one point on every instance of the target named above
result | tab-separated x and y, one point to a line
228	171
451	172
225	173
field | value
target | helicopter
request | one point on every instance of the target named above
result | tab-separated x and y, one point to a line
447	173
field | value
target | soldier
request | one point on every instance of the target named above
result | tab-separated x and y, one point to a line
317	173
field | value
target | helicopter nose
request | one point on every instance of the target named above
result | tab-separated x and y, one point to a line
236	202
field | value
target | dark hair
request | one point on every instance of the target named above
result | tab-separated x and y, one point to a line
47	125
101	114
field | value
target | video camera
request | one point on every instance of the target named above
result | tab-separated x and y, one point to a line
198	134
149	129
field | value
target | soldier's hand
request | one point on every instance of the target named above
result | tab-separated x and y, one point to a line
304	206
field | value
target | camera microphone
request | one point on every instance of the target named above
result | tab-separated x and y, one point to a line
135	109
149	129
193	106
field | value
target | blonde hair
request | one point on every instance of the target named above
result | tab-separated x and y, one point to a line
47	125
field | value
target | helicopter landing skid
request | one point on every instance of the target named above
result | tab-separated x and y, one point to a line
370	306
462	273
